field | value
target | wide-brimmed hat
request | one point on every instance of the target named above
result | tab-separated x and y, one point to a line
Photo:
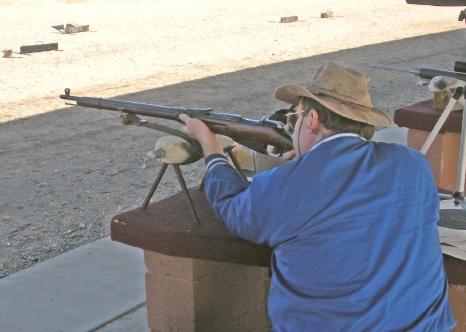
343	91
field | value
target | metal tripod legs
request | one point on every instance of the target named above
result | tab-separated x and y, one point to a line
154	186
461	166
182	183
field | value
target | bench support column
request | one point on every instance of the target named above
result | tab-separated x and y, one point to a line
186	294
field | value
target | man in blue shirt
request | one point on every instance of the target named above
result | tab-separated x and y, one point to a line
352	223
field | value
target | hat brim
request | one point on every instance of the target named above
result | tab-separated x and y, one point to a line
292	94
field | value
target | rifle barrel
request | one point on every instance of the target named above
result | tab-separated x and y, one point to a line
397	68
426	73
253	133
152	110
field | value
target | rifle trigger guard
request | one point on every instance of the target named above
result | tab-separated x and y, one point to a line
129	118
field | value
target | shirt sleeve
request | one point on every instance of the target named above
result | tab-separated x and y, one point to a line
234	201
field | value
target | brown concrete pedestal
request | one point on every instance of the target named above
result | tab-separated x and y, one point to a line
199	277
185	294
456	274
421	118
442	155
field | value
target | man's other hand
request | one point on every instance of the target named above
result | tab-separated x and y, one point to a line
289	155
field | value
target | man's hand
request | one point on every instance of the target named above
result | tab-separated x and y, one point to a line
289	155
200	132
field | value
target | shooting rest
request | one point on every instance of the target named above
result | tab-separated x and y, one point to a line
459	74
458	195
176	151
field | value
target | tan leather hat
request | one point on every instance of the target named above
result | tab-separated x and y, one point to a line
343	91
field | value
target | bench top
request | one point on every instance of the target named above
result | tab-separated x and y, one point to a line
422	116
167	227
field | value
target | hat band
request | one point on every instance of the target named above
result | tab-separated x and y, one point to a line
330	93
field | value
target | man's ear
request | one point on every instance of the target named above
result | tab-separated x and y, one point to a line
314	120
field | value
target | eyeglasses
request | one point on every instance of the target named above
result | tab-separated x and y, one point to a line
292	118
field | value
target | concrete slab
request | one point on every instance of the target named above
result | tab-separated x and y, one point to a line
79	290
135	321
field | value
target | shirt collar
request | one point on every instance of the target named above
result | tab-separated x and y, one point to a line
335	136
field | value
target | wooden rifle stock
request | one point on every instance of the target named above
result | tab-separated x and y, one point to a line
255	134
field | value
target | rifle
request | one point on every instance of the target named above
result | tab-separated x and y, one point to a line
428	73
255	134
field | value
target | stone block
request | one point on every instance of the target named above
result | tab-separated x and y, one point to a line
456	275
189	269
170	303
442	155
186	294
457	298
237	293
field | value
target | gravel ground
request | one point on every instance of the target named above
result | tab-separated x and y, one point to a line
64	173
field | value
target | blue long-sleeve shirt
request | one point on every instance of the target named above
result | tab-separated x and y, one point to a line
353	227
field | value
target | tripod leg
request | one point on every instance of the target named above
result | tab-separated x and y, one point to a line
461	166
237	165
154	186
440	122
201	185
186	191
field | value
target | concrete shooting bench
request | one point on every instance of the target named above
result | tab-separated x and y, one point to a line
199	277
